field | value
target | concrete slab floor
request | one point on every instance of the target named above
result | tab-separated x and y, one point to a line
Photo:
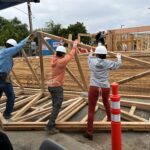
31	140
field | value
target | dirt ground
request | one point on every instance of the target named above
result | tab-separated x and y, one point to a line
31	140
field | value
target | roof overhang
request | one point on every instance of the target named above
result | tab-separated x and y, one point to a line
9	3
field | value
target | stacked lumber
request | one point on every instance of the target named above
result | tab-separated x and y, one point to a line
31	112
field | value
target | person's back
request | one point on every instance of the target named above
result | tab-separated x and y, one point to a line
99	84
58	65
6	64
55	83
100	70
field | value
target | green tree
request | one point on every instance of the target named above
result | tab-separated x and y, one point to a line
53	28
76	28
12	29
73	29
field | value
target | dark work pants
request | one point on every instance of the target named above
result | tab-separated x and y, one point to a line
7	88
94	93
57	99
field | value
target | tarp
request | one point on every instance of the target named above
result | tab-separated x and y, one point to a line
4	5
9	3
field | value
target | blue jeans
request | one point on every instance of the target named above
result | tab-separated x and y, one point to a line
7	88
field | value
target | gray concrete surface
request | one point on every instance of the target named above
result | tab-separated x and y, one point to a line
31	140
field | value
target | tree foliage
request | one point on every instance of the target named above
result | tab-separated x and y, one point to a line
12	29
54	28
73	29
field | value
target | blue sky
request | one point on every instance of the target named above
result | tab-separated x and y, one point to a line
95	14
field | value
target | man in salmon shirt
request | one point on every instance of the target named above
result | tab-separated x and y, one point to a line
55	84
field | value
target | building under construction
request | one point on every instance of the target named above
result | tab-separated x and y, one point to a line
33	105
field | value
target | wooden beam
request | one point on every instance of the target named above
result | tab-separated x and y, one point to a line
124	57
131	117
81	72
18	82
69	109
41	61
132	110
76	126
27	106
130	30
140	75
104	119
139	105
30	66
74	78
136	96
74	111
126	115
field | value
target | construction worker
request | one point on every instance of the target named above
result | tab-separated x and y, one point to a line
55	84
99	84
6	64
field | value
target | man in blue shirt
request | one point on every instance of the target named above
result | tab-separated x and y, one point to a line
6	64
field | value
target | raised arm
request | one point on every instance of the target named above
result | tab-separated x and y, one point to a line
115	64
71	54
14	50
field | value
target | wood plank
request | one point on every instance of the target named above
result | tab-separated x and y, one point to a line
41	61
137	76
36	113
104	119
131	117
139	105
130	30
132	110
75	110
145	97
68	109
30	66
81	72
27	106
18	82
77	126
126	115
124	57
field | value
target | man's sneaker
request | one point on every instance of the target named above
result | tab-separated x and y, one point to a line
88	136
7	116
52	130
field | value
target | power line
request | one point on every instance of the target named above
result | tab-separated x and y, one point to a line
24	12
21	11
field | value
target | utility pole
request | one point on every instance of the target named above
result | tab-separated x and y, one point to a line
30	16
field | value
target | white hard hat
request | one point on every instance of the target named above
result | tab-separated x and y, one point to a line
46	38
100	50
11	42
61	49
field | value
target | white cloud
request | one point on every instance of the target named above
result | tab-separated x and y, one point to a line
95	14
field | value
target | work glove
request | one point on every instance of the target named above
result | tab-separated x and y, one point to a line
75	43
118	56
